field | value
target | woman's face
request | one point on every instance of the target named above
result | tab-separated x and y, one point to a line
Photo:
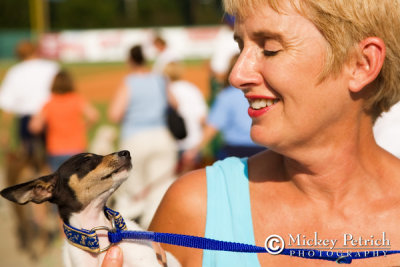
282	57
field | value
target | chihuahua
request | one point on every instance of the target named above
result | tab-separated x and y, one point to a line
80	188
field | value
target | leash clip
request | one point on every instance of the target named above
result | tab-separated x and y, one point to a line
113	229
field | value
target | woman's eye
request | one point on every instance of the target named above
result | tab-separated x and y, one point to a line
271	47
269	53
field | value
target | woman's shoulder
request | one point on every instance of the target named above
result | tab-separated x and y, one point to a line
186	197
183	211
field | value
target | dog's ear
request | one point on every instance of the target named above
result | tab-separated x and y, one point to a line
37	191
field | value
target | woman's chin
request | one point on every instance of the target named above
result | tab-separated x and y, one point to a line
262	136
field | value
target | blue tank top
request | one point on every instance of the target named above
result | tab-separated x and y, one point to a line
146	105
228	212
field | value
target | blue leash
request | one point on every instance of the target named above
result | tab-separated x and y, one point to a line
212	244
88	240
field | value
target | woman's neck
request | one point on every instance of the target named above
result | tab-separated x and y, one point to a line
336	175
138	68
337	171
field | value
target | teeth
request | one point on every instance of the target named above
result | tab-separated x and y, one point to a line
262	103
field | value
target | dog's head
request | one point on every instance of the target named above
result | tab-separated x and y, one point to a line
80	180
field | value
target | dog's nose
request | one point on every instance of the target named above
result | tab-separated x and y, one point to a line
124	153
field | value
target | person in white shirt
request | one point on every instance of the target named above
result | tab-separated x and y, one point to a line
191	105
25	88
165	55
225	48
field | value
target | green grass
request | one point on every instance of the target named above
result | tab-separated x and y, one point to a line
102	108
4	66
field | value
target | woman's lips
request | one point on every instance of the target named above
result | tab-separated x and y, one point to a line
260	105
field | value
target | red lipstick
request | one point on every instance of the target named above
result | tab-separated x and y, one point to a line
254	113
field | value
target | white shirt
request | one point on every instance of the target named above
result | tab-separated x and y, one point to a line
193	108
165	57
387	130
26	86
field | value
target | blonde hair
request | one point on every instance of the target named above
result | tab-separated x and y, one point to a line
344	23
174	71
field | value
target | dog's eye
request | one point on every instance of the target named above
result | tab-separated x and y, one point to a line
89	159
92	162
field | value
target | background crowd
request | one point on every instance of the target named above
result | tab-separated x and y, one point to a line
53	121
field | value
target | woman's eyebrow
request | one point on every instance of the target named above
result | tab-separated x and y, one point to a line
268	35
265	34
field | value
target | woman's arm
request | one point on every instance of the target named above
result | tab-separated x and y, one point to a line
118	105
91	113
209	132
183	210
37	123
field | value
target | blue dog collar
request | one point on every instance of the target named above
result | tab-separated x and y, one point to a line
88	239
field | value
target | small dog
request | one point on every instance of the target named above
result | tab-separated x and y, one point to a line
80	189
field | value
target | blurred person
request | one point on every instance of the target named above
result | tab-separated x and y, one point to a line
140	106
24	90
387	130
64	118
222	54
164	55
228	116
191	105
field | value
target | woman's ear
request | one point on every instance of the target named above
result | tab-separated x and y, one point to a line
367	64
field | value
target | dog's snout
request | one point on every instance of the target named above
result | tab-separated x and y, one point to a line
124	153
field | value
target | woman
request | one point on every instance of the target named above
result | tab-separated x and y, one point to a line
317	74
140	105
65	119
191	105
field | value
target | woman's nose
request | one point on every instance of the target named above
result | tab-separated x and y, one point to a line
244	74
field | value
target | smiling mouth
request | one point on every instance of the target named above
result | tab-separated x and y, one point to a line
260	103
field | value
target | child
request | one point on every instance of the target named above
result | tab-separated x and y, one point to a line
63	119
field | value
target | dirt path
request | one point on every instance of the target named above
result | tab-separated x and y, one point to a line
101	86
